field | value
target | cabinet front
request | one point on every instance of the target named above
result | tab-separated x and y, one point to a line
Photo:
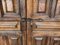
10	14
44	23
44	10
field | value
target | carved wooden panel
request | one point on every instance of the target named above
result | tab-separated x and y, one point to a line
10	25
42	9
10	38
39	25
47	10
39	41
10	6
40	6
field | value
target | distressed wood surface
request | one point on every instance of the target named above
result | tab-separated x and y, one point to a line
44	26
11	12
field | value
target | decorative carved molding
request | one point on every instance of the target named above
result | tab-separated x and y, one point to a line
11	6
41	6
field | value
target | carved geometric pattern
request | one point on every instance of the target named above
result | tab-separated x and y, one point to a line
41	7
10	6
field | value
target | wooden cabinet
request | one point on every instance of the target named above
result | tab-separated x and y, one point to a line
11	14
30	22
44	22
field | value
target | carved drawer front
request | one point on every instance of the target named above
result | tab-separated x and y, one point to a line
39	41
45	33
55	40
39	25
10	39
10	25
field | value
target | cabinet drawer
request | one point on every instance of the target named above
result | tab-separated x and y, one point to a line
45	25
9	25
46	33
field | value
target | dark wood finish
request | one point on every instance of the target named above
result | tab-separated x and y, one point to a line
23	8
1	9
24	33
